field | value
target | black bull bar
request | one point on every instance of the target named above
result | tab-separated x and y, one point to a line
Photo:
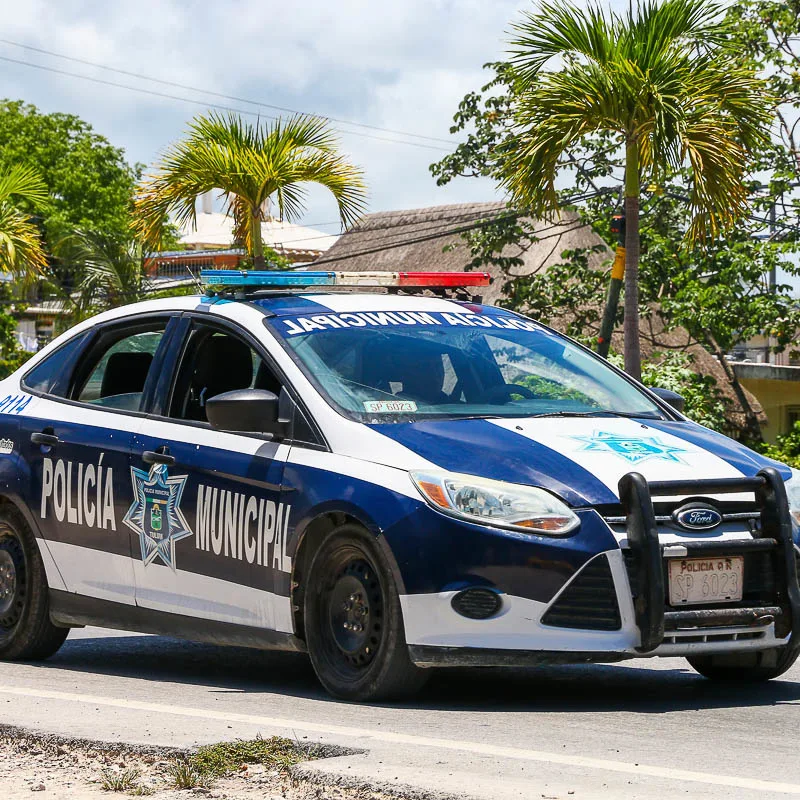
647	557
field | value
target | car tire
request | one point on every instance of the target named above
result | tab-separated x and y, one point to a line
353	621
26	632
753	666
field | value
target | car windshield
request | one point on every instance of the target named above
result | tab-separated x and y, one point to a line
397	366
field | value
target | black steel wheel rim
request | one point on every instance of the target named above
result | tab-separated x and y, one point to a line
13	582
354	615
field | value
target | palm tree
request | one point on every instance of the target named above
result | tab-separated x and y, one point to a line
21	250
665	80
253	166
94	273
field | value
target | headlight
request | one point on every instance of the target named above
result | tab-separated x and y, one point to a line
505	505
793	491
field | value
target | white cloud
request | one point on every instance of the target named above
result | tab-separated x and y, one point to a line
397	65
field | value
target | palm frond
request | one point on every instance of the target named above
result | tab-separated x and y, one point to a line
22	183
663	77
249	164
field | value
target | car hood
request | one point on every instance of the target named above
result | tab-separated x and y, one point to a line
579	459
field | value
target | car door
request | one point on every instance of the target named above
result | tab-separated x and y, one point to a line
75	442
210	512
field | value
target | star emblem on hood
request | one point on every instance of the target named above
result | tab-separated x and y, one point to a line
634	449
155	513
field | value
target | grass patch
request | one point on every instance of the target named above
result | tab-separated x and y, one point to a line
112	780
185	776
216	760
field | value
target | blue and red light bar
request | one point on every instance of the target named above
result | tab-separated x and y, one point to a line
221	279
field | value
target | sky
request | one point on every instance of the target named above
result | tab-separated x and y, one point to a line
400	66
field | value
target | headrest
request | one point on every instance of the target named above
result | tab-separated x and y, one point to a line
222	364
125	373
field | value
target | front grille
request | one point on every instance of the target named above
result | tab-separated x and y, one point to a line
589	602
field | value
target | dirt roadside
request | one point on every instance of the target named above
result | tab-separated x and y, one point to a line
44	766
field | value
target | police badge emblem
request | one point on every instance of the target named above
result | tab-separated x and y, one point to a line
155	513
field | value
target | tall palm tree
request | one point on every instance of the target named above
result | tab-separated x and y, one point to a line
21	249
253	165
665	80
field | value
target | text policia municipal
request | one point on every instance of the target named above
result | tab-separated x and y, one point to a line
230	524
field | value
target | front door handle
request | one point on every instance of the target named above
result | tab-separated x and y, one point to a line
46	438
159	456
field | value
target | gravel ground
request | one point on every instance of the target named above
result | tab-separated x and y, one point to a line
64	769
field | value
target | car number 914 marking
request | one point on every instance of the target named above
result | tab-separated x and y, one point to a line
705	580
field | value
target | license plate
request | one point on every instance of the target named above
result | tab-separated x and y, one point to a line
705	580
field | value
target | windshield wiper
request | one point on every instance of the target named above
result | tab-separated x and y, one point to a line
624	414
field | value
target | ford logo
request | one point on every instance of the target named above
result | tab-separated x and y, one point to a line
697	518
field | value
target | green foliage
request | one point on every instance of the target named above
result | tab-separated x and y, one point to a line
112	780
786	449
90	184
705	403
94	273
553	390
184	776
12	356
253	165
718	291
663	79
21	191
216	760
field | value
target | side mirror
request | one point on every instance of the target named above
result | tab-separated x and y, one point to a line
247	411
677	401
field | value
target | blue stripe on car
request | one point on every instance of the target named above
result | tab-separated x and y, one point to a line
477	447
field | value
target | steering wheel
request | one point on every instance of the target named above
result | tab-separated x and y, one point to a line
496	393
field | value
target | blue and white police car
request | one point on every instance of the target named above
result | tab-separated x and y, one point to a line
389	480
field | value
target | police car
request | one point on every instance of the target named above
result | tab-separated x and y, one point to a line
390	480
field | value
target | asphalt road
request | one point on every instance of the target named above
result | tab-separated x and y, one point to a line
651	730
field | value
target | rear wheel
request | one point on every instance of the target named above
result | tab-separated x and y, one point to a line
26	632
748	667
353	621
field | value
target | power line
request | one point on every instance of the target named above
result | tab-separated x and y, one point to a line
203	103
175	85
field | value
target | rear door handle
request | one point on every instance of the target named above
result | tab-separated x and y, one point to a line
158	456
46	438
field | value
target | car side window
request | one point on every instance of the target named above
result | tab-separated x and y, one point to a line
45	376
216	361
115	373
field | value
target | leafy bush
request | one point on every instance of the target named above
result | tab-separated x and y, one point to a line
786	449
705	402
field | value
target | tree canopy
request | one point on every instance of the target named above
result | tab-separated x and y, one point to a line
663	80
721	291
90	183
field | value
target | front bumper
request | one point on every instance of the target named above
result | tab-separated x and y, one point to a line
530	633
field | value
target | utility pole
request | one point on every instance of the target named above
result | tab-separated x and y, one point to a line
773	276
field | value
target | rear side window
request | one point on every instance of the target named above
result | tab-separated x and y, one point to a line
50	376
115	372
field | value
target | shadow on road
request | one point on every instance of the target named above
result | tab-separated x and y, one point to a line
551	689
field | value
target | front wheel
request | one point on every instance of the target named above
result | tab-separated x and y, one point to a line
751	666
353	621
26	632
